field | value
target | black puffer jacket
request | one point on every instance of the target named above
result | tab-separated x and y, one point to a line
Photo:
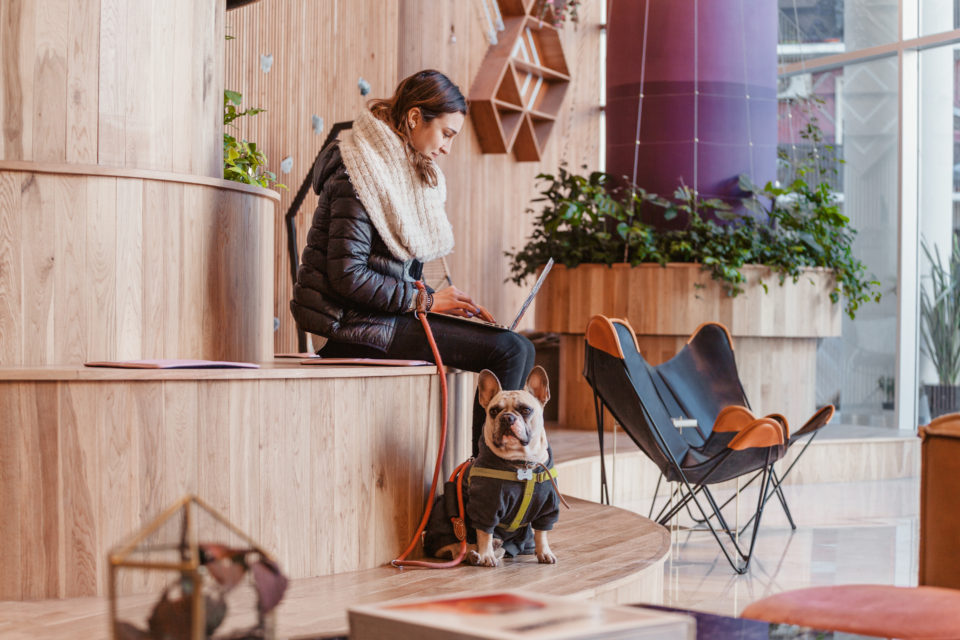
349	288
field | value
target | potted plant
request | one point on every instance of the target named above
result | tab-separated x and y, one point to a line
940	328
243	161
887	386
715	268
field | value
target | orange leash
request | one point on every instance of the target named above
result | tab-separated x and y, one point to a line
402	561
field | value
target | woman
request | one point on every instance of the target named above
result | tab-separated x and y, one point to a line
380	216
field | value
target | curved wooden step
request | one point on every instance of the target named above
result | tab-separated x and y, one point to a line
604	553
326	466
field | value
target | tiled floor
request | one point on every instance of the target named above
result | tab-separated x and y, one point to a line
858	532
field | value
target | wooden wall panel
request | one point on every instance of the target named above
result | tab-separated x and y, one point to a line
11	284
110	82
11	495
100	267
320	49
84	464
80	476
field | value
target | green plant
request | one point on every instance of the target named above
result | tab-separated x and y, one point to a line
940	314
243	161
887	386
587	219
559	10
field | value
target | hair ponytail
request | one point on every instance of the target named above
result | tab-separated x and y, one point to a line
434	94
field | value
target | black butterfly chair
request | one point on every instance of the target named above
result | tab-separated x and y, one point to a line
703	381
627	385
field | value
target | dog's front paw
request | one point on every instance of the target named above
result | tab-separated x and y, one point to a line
484	559
546	557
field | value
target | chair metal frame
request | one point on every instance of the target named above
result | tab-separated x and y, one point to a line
732	393
754	447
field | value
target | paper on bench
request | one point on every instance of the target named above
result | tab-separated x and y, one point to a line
173	364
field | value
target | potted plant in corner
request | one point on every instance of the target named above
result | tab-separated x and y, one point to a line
940	329
717	268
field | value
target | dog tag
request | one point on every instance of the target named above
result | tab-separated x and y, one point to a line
524	474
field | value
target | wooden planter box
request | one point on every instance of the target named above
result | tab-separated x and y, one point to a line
775	333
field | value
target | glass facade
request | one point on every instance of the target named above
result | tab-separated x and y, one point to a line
938	176
888	108
809	29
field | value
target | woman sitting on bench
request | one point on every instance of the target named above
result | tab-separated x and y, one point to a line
380	216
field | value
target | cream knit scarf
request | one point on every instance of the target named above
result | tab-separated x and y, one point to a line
407	214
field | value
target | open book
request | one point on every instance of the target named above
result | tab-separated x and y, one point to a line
513	615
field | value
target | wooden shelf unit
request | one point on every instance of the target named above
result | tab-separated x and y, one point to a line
519	90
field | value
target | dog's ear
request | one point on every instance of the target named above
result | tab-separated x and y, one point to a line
538	385
487	387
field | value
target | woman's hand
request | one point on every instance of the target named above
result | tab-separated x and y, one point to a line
454	302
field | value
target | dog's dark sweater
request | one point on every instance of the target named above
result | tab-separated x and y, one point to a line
491	505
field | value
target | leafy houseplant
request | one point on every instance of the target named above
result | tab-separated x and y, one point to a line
596	218
243	161
558	11
940	328
887	385
792	228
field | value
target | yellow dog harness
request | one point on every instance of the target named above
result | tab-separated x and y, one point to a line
527	476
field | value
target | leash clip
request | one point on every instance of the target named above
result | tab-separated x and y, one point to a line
524	474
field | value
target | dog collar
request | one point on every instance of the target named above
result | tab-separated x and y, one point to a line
518	475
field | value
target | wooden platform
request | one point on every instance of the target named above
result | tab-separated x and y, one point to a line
87	456
604	553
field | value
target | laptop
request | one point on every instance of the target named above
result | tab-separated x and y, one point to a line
523	308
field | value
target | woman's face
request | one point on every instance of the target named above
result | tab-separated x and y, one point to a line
433	138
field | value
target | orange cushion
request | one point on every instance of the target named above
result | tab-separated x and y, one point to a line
915	613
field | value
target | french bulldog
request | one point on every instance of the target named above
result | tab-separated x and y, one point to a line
513	451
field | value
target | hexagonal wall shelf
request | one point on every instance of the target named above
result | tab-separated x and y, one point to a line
517	93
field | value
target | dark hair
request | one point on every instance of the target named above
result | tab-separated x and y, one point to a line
434	94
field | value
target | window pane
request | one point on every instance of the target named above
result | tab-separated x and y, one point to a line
939	183
814	28
856	108
937	16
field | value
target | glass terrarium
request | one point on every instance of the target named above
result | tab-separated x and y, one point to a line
170	580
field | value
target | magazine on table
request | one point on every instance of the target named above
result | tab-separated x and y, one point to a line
513	615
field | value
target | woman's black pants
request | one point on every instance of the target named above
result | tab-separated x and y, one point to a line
464	345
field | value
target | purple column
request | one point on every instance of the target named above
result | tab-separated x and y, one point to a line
704	89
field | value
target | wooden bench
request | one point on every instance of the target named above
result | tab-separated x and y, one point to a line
328	466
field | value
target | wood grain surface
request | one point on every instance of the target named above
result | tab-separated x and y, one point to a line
111	82
330	473
113	267
674	300
609	566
